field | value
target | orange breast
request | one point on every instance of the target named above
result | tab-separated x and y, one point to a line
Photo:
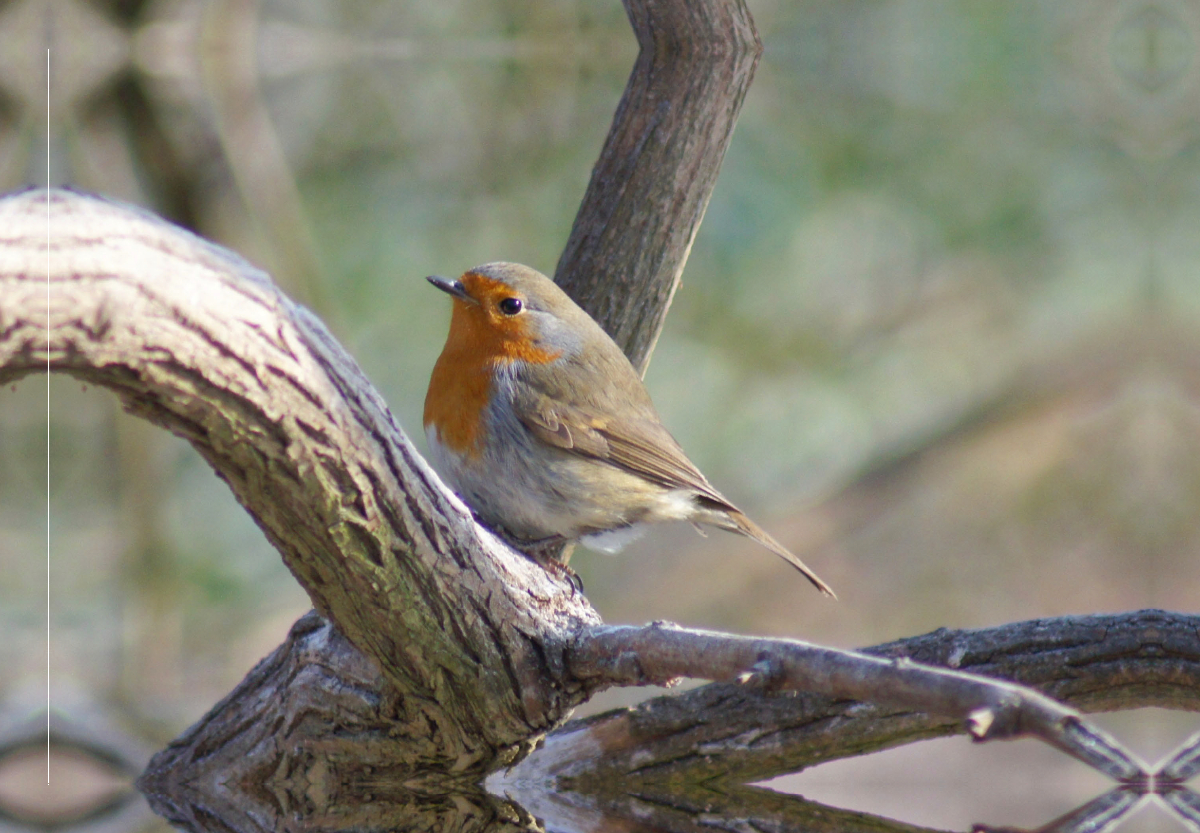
458	393
459	389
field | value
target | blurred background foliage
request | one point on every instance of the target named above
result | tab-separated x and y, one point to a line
938	332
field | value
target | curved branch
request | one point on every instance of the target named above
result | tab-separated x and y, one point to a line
457	649
478	650
670	757
195	340
668	761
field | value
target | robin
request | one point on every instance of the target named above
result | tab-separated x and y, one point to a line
538	420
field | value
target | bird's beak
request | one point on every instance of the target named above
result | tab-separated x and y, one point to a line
450	287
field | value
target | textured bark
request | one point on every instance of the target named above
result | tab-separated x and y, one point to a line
708	807
319	738
988	708
1094	663
315	738
197	341
651	184
678	763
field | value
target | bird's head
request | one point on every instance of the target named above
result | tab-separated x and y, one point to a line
506	311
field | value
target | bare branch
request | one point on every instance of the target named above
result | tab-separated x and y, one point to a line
458	653
990	709
486	650
736	733
698	808
1185	804
1184	764
675	762
651	185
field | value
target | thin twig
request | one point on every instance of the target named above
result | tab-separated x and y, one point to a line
1184	804
1183	764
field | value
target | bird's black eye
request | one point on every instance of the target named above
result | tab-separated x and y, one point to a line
510	306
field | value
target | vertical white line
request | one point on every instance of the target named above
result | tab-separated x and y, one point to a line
47	416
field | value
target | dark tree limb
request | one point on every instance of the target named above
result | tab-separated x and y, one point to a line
650	187
750	808
703	809
625	255
195	340
677	763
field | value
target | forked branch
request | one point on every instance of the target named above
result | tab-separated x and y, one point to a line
452	654
486	650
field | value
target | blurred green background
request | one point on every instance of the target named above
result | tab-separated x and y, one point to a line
938	331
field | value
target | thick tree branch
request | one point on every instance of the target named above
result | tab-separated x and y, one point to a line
244	399
330	742
701	808
668	763
195	340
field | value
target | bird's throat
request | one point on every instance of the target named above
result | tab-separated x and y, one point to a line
461	385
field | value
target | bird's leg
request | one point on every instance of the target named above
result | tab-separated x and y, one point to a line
550	553
553	565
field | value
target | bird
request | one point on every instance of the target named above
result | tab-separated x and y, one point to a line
537	419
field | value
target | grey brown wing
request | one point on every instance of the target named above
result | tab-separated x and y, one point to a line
561	427
640	446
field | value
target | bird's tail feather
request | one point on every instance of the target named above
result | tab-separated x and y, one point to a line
747	527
